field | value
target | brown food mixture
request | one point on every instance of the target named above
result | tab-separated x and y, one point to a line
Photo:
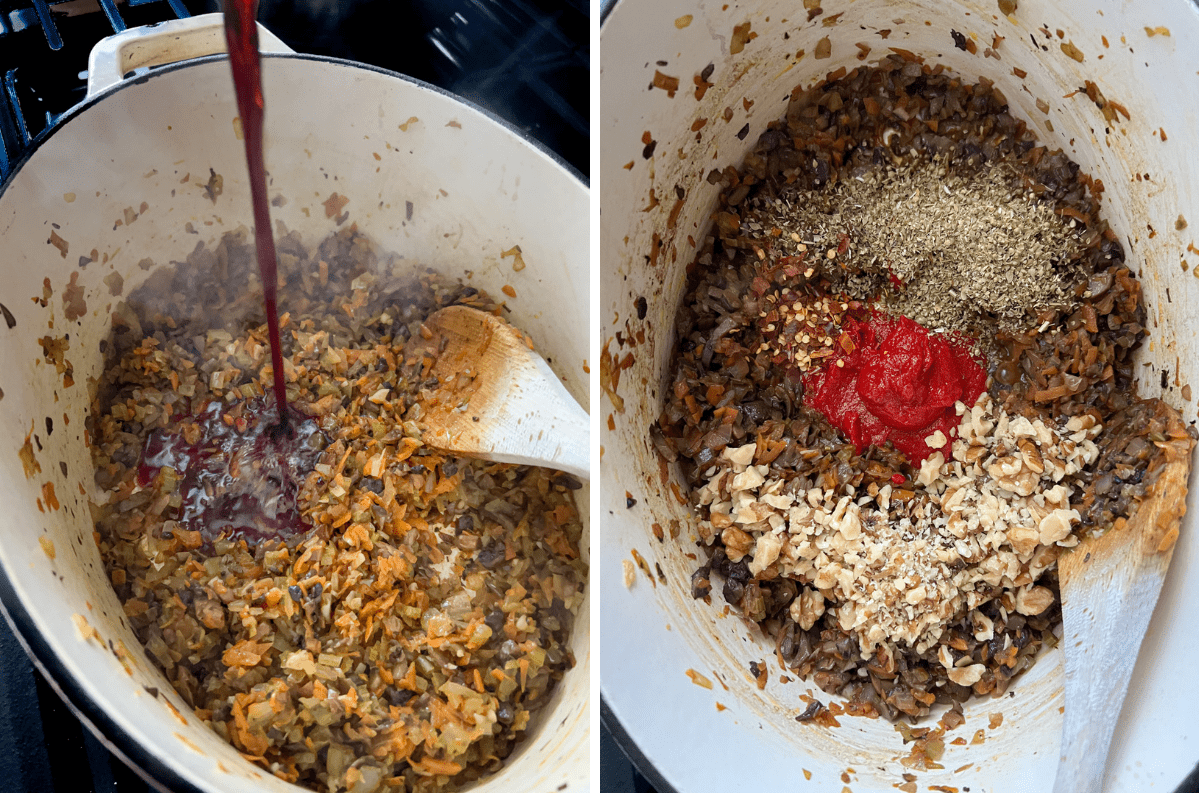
407	636
793	226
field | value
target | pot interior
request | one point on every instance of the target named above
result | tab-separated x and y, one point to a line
128	182
656	210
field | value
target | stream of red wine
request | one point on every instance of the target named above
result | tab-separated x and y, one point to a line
241	475
241	34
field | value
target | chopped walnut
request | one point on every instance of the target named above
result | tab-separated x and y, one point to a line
1033	600
737	543
1056	525
807	608
966	675
766	551
740	457
992	514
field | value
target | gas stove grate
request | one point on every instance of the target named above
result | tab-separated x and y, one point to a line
44	48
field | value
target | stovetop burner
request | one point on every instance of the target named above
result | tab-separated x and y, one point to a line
524	60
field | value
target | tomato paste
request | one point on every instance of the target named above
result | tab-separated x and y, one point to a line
892	380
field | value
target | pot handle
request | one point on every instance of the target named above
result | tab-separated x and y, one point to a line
161	44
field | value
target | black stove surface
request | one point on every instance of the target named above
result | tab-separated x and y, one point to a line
526	61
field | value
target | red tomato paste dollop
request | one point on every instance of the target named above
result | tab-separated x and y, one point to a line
896	381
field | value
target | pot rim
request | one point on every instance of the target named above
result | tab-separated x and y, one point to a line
158	774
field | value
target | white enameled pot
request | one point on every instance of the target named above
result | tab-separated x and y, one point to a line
653	634
428	177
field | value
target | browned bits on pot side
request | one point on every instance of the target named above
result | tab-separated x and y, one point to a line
668	84
1071	51
29	462
702	81
741	35
1112	111
407	639
518	262
334	204
74	305
58	242
1068	360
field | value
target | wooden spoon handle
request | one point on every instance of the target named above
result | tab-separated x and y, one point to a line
1110	607
1110	585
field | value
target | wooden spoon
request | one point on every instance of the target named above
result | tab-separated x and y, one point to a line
497	399
1109	586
